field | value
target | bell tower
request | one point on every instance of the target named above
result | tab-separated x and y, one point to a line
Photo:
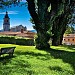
6	23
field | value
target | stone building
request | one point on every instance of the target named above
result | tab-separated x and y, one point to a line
18	28
69	39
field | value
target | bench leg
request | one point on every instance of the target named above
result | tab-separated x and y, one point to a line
11	54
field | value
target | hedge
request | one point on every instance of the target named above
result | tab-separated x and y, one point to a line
17	41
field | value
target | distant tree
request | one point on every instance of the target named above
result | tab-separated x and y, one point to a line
69	30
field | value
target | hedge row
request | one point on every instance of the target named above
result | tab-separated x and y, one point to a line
18	41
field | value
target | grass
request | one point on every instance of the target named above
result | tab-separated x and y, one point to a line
27	60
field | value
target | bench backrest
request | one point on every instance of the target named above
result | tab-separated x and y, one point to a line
7	50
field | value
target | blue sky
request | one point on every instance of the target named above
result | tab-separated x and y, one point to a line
18	15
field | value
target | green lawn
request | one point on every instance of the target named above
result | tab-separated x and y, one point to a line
27	60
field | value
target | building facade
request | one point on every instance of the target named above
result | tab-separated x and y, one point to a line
69	39
6	23
18	28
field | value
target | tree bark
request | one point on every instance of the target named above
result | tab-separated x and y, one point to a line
59	29
60	22
41	20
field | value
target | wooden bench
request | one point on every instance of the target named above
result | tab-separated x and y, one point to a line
7	50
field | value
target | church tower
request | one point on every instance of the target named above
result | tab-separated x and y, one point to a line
6	23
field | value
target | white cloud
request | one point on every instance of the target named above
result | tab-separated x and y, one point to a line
10	12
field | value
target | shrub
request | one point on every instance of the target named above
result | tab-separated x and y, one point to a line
25	42
18	41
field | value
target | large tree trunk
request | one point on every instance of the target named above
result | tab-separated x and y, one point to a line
42	40
41	19
59	29
57	39
56	33
59	25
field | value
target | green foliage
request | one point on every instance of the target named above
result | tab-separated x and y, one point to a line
31	20
8	3
30	61
18	41
69	30
42	41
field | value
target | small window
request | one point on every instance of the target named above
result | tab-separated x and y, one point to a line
68	39
7	20
72	39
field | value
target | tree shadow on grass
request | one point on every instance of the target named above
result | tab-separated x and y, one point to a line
33	54
60	70
5	59
67	57
29	53
8	67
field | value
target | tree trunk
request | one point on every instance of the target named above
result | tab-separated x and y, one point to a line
41	19
59	30
59	25
42	40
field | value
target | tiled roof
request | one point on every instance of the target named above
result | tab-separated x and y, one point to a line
27	34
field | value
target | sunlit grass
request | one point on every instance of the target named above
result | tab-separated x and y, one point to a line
30	61
65	48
